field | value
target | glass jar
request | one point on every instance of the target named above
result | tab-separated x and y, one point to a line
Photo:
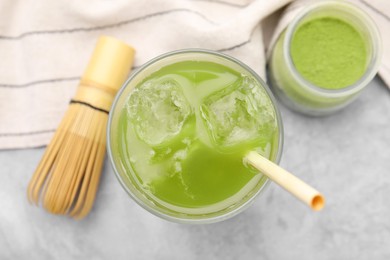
299	94
128	181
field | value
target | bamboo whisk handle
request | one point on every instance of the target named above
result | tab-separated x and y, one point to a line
106	71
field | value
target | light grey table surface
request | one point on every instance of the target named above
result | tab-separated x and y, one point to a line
346	156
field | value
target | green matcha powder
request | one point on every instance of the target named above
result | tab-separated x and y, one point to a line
329	53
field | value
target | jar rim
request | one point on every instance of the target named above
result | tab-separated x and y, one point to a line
375	41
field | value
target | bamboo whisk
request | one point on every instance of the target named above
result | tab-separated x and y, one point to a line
67	177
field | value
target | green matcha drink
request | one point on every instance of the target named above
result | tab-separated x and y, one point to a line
325	57
180	135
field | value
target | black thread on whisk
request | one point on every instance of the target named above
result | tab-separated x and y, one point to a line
88	105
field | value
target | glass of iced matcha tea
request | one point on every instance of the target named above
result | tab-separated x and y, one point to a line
326	56
179	130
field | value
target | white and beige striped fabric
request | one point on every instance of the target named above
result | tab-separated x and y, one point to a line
45	46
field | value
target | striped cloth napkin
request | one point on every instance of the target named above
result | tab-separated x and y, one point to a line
45	46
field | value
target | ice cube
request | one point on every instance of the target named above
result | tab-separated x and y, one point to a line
158	110
240	113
